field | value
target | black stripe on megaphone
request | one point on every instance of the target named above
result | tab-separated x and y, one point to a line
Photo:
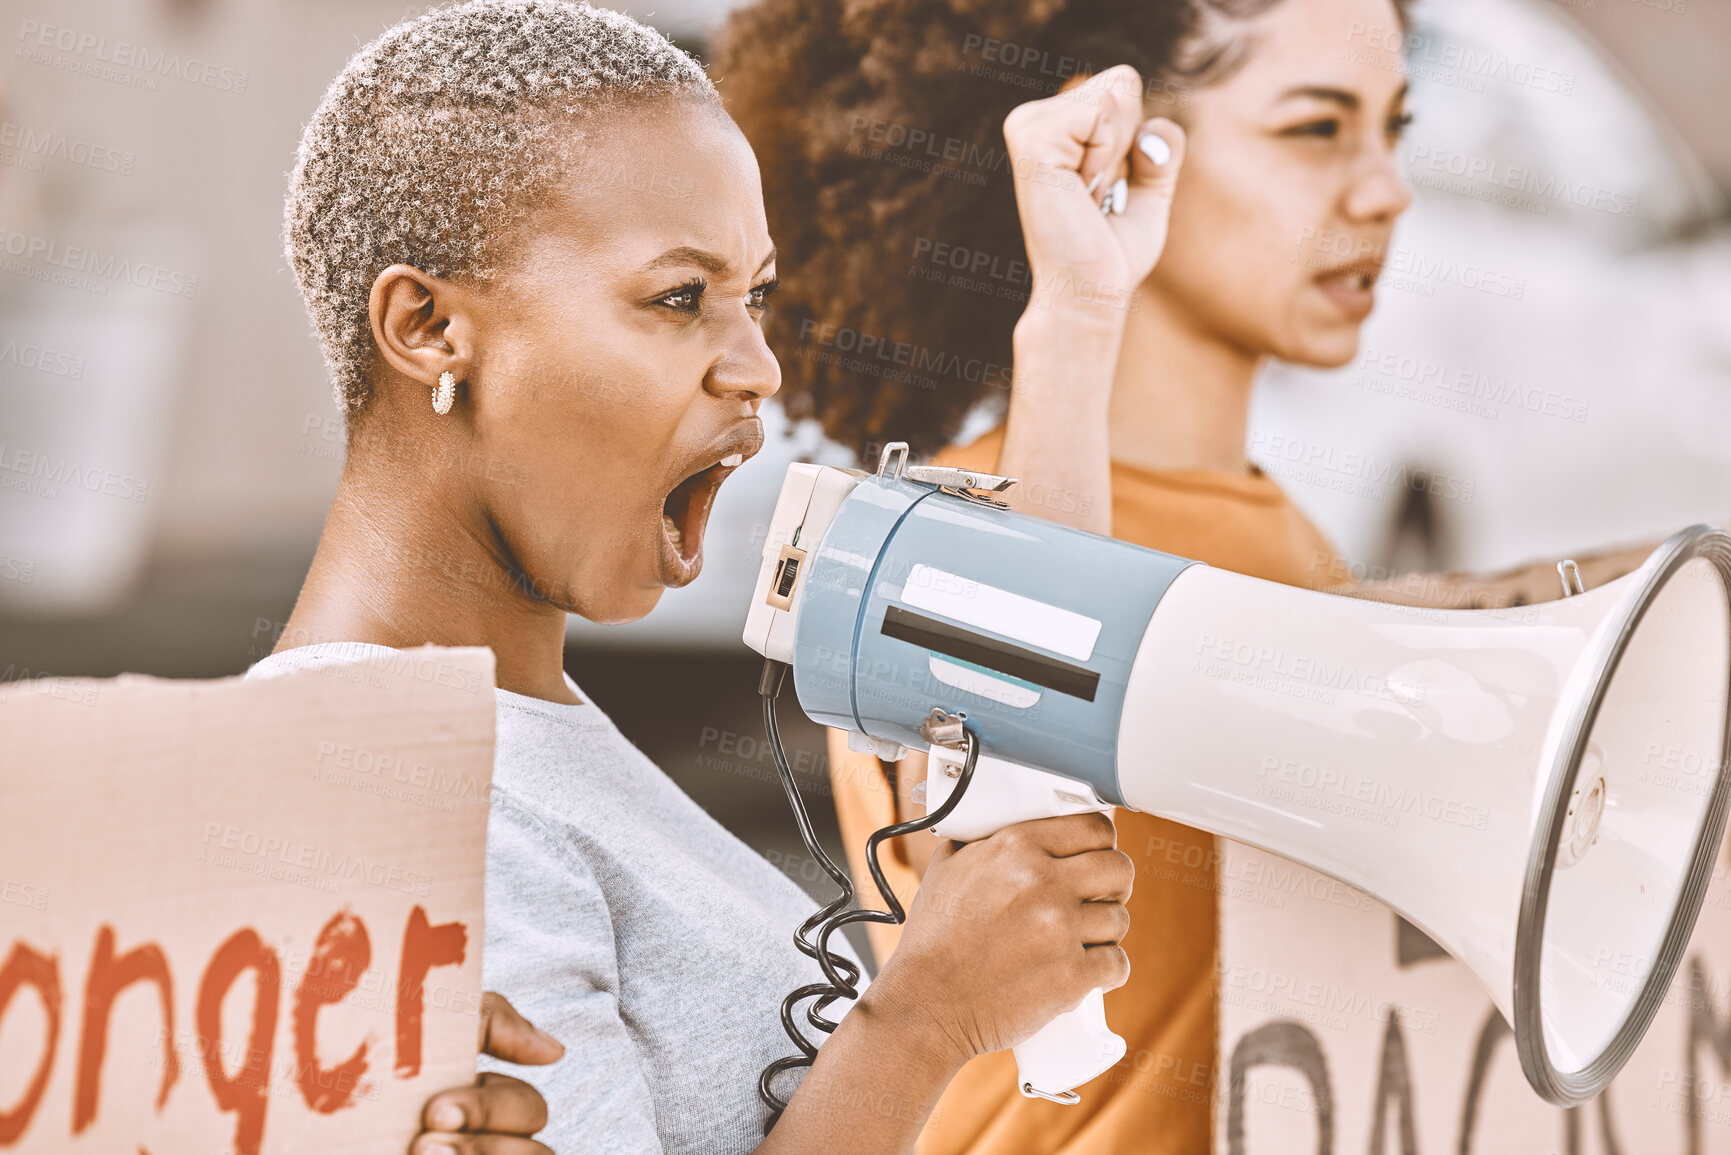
1005	657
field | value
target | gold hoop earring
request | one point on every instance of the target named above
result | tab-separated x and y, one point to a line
446	394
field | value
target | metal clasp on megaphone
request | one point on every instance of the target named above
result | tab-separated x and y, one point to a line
968	484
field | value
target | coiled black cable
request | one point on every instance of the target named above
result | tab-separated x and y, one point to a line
769	685
841	975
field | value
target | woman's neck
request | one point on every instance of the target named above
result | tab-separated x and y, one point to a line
1180	396
399	564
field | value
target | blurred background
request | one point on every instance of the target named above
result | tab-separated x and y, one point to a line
1551	348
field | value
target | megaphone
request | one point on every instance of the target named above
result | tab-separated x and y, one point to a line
1492	777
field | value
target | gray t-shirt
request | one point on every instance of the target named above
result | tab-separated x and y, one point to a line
629	924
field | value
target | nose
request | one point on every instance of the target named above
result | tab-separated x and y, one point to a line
746	370
1378	192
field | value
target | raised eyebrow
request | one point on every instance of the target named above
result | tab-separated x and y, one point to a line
1340	96
766	262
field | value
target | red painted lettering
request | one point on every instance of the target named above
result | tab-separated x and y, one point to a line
25	967
424	947
108	977
339	956
246	1092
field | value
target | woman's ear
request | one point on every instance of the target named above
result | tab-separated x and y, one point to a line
420	324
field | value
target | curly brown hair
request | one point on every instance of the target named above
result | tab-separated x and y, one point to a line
879	128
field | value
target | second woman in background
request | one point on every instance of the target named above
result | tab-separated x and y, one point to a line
924	166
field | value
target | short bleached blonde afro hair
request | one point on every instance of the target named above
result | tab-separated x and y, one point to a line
439	137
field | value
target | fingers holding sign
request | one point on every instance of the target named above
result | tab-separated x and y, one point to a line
497	1114
507	1035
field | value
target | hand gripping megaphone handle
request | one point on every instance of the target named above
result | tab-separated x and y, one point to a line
1077	1045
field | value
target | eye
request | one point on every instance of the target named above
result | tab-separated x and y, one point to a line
687	298
759	296
1328	128
1397	125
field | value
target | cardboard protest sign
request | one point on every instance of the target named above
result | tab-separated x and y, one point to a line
242	916
1351	1032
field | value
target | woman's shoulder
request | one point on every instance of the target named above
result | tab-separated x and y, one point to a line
570	776
571	763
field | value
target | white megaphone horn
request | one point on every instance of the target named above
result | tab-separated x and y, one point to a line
1492	776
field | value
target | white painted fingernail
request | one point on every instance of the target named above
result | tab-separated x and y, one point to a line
1155	148
1120	195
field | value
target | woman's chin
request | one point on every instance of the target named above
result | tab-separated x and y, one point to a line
634	590
1328	348
621	606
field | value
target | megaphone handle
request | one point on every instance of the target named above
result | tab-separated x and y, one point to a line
1076	1045
1068	1051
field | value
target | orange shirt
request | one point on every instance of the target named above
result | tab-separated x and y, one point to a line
1157	1101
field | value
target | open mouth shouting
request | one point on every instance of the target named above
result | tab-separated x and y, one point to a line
685	512
1352	287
